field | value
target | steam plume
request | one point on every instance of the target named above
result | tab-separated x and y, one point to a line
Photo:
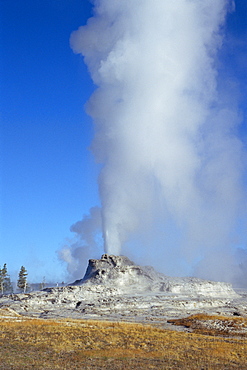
84	245
164	129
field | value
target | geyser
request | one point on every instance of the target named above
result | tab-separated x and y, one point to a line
121	273
165	133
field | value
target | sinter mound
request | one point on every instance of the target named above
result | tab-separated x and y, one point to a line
121	272
114	288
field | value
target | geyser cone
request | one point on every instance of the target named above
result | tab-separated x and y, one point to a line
120	272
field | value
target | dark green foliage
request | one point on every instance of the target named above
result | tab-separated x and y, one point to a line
5	282
22	280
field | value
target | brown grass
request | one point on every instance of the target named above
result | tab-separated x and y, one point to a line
214	325
77	344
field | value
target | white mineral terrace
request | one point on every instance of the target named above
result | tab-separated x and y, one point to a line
114	288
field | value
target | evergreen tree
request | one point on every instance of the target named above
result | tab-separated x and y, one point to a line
1	280
22	281
5	282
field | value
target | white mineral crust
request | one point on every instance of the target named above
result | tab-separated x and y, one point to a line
114	288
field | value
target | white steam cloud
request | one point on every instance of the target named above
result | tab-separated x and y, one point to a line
165	132
84	244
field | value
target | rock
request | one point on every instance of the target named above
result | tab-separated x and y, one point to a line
122	273
114	288
105	269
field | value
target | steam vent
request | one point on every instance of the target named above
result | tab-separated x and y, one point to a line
115	288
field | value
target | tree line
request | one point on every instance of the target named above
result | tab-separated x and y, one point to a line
6	285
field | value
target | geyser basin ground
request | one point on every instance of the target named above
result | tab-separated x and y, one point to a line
114	288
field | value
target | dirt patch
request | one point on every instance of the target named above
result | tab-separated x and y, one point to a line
214	325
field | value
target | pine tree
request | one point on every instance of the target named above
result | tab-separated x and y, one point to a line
5	282
1	280
22	281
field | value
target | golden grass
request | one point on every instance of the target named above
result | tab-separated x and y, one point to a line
77	344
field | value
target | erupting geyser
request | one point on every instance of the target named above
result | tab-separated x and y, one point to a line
165	133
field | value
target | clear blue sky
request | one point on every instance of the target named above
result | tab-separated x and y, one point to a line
48	175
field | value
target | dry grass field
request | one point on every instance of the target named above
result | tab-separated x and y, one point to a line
27	343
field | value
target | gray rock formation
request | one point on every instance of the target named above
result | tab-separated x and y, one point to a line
114	288
121	273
